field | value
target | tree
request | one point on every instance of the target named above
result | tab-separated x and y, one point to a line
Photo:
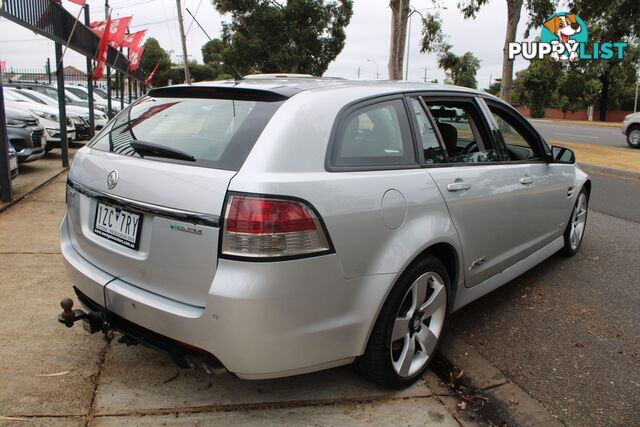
268	36
538	10
461	70
432	36
494	87
610	21
535	86
154	54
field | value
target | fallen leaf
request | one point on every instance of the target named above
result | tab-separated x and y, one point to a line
462	405
56	374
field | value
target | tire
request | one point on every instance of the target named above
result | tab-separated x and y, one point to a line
633	136
404	325
574	233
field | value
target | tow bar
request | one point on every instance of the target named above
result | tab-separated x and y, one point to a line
92	322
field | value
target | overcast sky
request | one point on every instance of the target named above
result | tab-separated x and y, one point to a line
367	41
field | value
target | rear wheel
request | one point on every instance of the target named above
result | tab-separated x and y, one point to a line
575	229
633	136
408	330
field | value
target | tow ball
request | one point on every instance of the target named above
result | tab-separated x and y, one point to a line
92	322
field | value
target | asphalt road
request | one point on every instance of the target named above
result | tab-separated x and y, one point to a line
589	134
567	331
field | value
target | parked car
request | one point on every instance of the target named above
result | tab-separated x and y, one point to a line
82	129
52	92
25	135
83	93
631	128
13	161
47	117
277	227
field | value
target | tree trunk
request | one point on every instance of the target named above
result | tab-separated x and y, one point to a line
399	18
514	8
604	96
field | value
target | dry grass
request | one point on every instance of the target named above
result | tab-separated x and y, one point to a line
611	157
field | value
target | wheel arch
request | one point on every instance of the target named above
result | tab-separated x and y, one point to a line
448	255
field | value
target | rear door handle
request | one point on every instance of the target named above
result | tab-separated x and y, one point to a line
458	186
526	180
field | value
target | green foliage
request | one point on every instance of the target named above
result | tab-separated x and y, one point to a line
154	54
538	10
432	36
494	87
296	36
460	70
535	86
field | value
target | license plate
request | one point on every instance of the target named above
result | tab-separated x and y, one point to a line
118	225
13	163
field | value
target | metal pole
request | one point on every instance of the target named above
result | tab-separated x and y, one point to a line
121	87
49	69
64	147
635	101
406	72
6	192
92	120
130	88
183	38
109	109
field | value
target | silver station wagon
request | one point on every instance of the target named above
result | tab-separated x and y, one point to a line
273	227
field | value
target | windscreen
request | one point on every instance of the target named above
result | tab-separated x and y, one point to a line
216	133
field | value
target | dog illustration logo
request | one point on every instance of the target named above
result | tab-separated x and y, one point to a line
566	29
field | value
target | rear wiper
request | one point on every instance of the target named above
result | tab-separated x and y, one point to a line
155	150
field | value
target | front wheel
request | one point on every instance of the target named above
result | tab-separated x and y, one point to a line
407	332
575	229
633	137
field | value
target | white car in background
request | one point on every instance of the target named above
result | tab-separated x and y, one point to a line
48	118
100	118
631	128
82	93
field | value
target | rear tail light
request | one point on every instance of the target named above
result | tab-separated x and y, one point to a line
265	227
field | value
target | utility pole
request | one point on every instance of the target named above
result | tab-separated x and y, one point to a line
358	71
425	73
183	38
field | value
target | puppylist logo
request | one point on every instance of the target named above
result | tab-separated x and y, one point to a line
564	37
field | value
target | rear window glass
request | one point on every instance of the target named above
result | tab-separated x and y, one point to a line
216	133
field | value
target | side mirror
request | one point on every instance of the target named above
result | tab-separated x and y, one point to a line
562	155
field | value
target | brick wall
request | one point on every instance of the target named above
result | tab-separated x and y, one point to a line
554	113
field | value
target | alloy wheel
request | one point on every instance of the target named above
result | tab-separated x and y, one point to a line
578	221
418	324
634	138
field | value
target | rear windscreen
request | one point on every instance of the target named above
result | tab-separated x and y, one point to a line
216	133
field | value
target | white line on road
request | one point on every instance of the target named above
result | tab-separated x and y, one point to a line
577	136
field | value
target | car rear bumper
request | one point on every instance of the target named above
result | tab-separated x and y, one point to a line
261	320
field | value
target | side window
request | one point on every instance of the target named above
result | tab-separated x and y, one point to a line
427	138
376	135
461	127
520	143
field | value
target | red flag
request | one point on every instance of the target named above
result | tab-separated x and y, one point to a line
103	48
117	30
3	65
78	2
98	27
132	41
153	73
134	57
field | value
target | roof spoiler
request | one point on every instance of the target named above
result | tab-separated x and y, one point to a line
217	92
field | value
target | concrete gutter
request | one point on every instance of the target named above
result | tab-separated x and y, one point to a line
476	390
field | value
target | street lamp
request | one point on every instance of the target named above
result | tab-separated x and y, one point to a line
414	10
377	74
